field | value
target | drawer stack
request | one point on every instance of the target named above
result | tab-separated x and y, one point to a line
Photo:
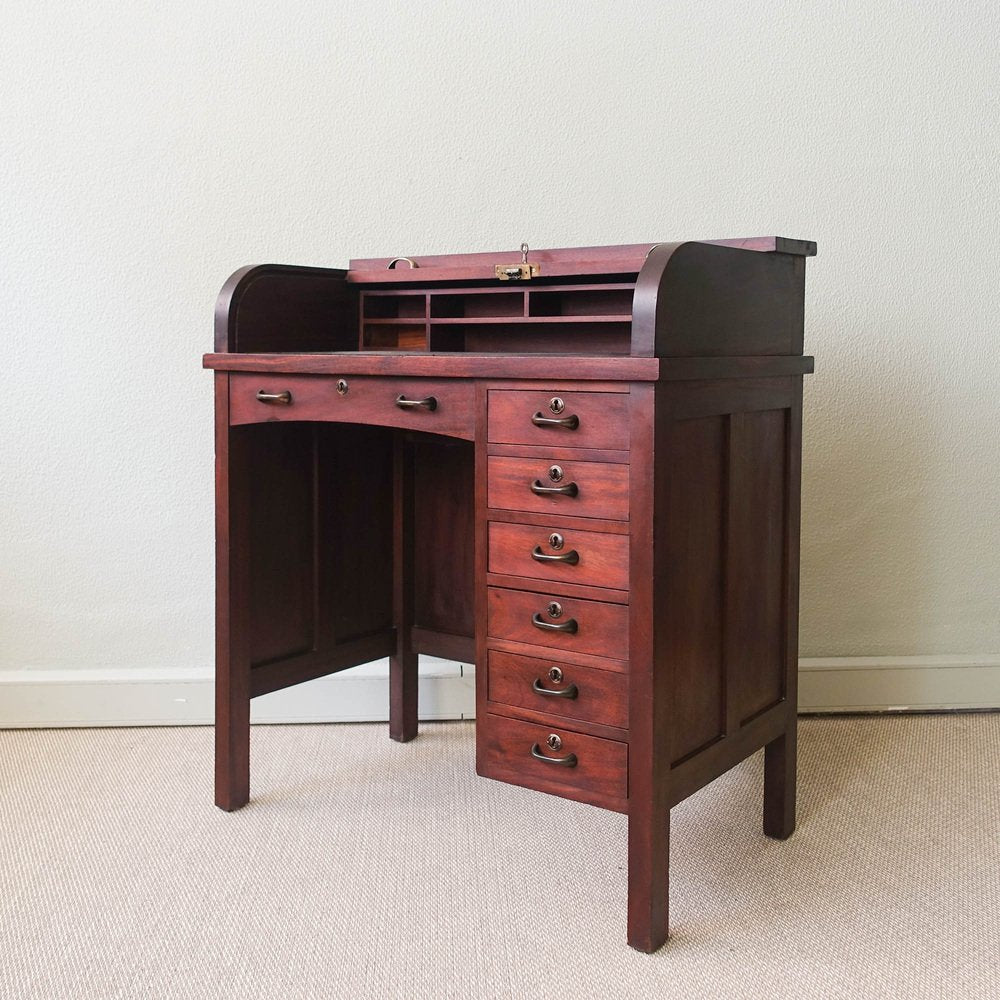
557	628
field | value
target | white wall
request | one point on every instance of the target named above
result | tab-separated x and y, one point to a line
151	148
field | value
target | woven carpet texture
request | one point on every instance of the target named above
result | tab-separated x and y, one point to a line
367	869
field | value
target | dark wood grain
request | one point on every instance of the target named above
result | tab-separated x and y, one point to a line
652	688
366	401
232	660
447	365
278	307
444	563
403	662
602	627
601	416
602	489
697	299
349	529
602	558
601	695
600	774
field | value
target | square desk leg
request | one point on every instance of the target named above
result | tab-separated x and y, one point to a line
403	662
232	662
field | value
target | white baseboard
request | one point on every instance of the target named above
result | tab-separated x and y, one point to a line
898	683
39	699
68	698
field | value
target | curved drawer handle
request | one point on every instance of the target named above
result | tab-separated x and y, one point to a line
274	397
572	557
570	692
569	490
428	403
568	761
570	423
570	626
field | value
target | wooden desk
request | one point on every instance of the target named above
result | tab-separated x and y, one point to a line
581	474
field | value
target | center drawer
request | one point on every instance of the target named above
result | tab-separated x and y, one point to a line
439	406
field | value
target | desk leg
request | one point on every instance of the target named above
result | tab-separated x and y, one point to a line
232	738
648	876
232	660
403	663
779	785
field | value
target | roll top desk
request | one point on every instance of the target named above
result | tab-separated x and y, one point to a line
578	469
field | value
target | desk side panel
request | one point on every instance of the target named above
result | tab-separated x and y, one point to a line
316	543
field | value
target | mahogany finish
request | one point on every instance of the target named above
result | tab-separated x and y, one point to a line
587	482
596	559
576	692
588	419
601	489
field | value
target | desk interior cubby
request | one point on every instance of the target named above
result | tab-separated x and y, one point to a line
549	319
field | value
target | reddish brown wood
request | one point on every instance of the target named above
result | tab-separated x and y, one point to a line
444	564
600	774
602	628
580	368
552	454
602	559
349	529
564	260
601	695
276	307
780	756
561	655
585	591
651	681
232	675
403	663
601	416
366	401
602	490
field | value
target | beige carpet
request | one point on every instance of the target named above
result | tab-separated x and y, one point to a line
363	868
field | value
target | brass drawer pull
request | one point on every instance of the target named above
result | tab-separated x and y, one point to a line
570	423
569	692
569	626
568	761
569	490
274	397
572	557
428	403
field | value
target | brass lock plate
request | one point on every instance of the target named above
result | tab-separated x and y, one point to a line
518	272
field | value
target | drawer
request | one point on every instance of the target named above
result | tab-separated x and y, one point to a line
560	689
367	399
559	554
581	767
560	419
589	489
594	627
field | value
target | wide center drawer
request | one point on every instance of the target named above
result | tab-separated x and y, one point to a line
439	406
560	554
576	489
558	419
580	626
